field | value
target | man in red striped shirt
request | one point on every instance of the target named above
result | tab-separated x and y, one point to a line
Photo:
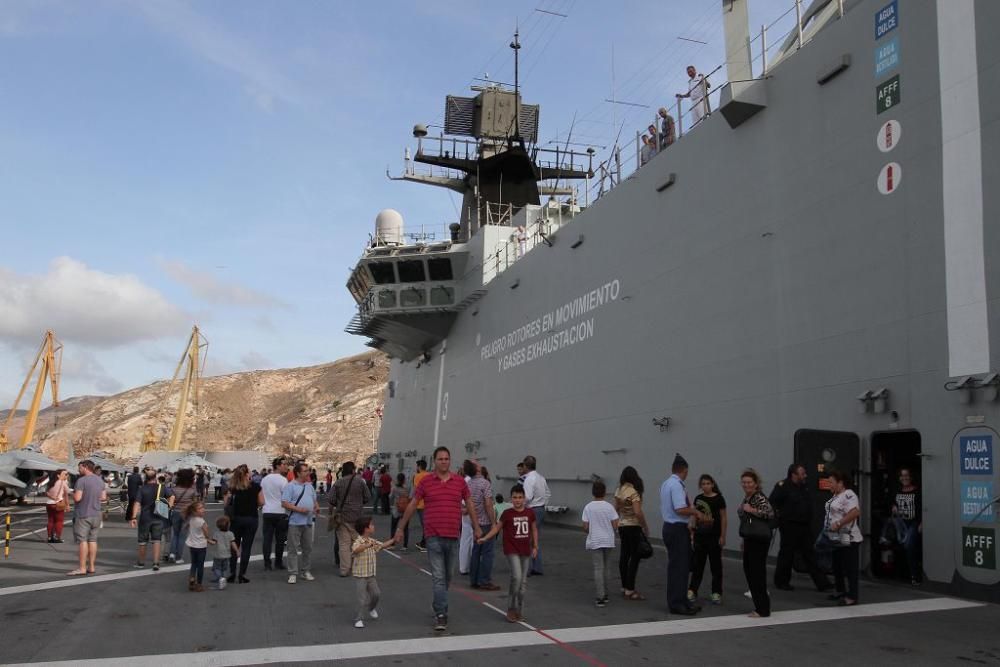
442	493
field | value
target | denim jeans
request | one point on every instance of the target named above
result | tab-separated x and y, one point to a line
220	569
481	567
536	562
908	536
197	569
442	552
518	579
179	533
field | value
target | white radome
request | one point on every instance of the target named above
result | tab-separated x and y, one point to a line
389	227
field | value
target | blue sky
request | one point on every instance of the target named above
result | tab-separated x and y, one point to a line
222	163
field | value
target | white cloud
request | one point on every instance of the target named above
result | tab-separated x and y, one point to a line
84	305
83	366
207	287
209	40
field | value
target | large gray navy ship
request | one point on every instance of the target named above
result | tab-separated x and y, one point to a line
805	275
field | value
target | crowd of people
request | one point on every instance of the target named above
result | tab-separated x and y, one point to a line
460	518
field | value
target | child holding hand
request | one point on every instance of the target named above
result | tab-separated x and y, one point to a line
197	541
520	545
364	549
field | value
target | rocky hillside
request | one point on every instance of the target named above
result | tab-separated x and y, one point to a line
326	413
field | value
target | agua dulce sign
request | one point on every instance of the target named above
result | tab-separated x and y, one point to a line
976	454
975	520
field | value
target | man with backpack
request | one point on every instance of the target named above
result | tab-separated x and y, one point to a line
149	510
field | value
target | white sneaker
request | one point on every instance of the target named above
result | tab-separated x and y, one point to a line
308	576
359	624
749	595
179	561
373	613
292	579
222	584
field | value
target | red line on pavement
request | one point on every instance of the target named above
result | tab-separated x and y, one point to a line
572	649
569	648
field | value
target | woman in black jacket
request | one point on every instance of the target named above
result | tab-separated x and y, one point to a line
244	498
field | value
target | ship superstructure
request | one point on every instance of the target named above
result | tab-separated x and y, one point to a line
808	274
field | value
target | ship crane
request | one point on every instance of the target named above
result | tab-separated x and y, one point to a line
192	362
48	363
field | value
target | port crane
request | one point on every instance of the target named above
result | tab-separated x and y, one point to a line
192	362
48	363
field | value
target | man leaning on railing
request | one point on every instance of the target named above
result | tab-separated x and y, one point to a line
698	87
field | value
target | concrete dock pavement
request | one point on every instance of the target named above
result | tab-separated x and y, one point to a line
123	616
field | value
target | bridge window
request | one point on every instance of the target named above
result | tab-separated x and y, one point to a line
440	268
382	272
411	271
387	298
442	296
412	296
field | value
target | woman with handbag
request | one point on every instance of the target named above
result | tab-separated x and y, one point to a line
56	504
842	530
245	499
756	515
185	493
632	530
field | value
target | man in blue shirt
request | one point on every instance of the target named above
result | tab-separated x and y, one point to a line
299	498
676	510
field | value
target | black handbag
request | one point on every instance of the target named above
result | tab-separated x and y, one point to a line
754	528
644	549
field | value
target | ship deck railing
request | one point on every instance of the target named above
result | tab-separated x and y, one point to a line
775	42
523	239
415	238
442	146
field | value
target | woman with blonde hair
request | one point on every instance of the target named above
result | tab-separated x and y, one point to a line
755	516
243	499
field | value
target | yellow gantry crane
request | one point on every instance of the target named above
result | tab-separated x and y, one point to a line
49	357
192	362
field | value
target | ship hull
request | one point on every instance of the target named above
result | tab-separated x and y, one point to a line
753	301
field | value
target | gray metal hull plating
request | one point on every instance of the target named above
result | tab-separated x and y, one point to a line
759	294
